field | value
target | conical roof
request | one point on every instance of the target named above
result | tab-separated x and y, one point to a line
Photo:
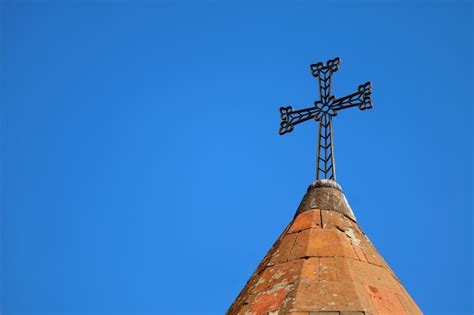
323	264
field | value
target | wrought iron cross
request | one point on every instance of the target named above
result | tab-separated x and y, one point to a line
323	111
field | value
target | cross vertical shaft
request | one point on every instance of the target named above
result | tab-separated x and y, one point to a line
323	110
325	163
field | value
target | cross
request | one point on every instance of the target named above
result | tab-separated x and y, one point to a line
323	110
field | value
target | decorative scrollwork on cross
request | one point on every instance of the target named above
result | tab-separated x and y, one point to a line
323	110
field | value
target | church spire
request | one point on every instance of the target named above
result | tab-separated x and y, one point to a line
323	263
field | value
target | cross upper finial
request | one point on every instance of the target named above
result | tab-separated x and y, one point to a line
323	110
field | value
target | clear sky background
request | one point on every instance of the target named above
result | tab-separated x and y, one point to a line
142	168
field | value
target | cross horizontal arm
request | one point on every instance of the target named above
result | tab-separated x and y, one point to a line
291	117
361	99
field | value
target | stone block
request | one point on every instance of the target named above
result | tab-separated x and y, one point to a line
359	253
326	296
283	249
278	276
323	243
327	269
306	220
310	271
385	302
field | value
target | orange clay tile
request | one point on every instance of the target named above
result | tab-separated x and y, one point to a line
323	264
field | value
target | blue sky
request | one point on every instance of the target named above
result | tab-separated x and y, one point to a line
143	172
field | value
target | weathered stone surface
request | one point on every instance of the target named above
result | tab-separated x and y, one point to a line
324	194
385	302
344	273
310	270
327	269
406	300
360	253
371	254
268	302
306	220
320	243
326	296
369	274
266	260
278	275
323	264
332	219
283	250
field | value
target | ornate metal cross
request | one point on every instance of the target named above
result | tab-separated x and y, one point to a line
323	111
